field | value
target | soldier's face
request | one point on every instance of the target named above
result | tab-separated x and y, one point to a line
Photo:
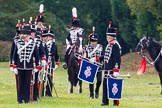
50	38
110	38
93	44
74	27
44	39
33	34
25	37
40	23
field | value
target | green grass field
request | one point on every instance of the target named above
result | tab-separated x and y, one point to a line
138	92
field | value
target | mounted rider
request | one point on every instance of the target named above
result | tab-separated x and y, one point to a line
72	35
14	42
40	19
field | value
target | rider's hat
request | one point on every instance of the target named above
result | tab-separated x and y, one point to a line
75	19
40	17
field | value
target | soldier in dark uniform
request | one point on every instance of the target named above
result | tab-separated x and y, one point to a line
94	51
112	60
42	74
53	59
72	35
25	50
14	41
42	55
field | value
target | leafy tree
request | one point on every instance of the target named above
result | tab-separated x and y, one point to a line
133	17
148	17
124	22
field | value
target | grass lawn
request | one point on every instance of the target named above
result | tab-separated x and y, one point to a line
138	92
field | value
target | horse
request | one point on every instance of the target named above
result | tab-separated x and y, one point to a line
154	48
73	64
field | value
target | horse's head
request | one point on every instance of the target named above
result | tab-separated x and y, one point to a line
79	43
143	44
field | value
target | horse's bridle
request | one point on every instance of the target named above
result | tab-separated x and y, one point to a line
144	49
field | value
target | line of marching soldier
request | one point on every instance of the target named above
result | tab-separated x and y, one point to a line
33	59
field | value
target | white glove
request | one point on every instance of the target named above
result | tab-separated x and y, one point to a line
35	70
43	63
11	69
56	66
116	74
92	60
15	71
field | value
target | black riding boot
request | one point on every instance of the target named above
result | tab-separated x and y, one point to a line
65	63
66	59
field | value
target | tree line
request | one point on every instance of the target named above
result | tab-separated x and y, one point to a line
133	18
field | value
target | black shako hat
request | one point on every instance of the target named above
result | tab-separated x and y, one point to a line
75	22
111	31
75	19
25	30
33	28
48	32
93	37
40	17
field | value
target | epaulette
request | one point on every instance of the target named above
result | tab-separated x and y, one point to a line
16	37
81	29
71	29
38	37
31	39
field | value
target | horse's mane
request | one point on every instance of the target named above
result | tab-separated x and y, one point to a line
156	42
153	41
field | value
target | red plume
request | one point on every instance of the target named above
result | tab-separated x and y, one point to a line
142	67
18	25
89	36
110	23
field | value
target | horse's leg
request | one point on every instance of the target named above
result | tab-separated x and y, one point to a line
70	90
160	76
77	87
80	85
